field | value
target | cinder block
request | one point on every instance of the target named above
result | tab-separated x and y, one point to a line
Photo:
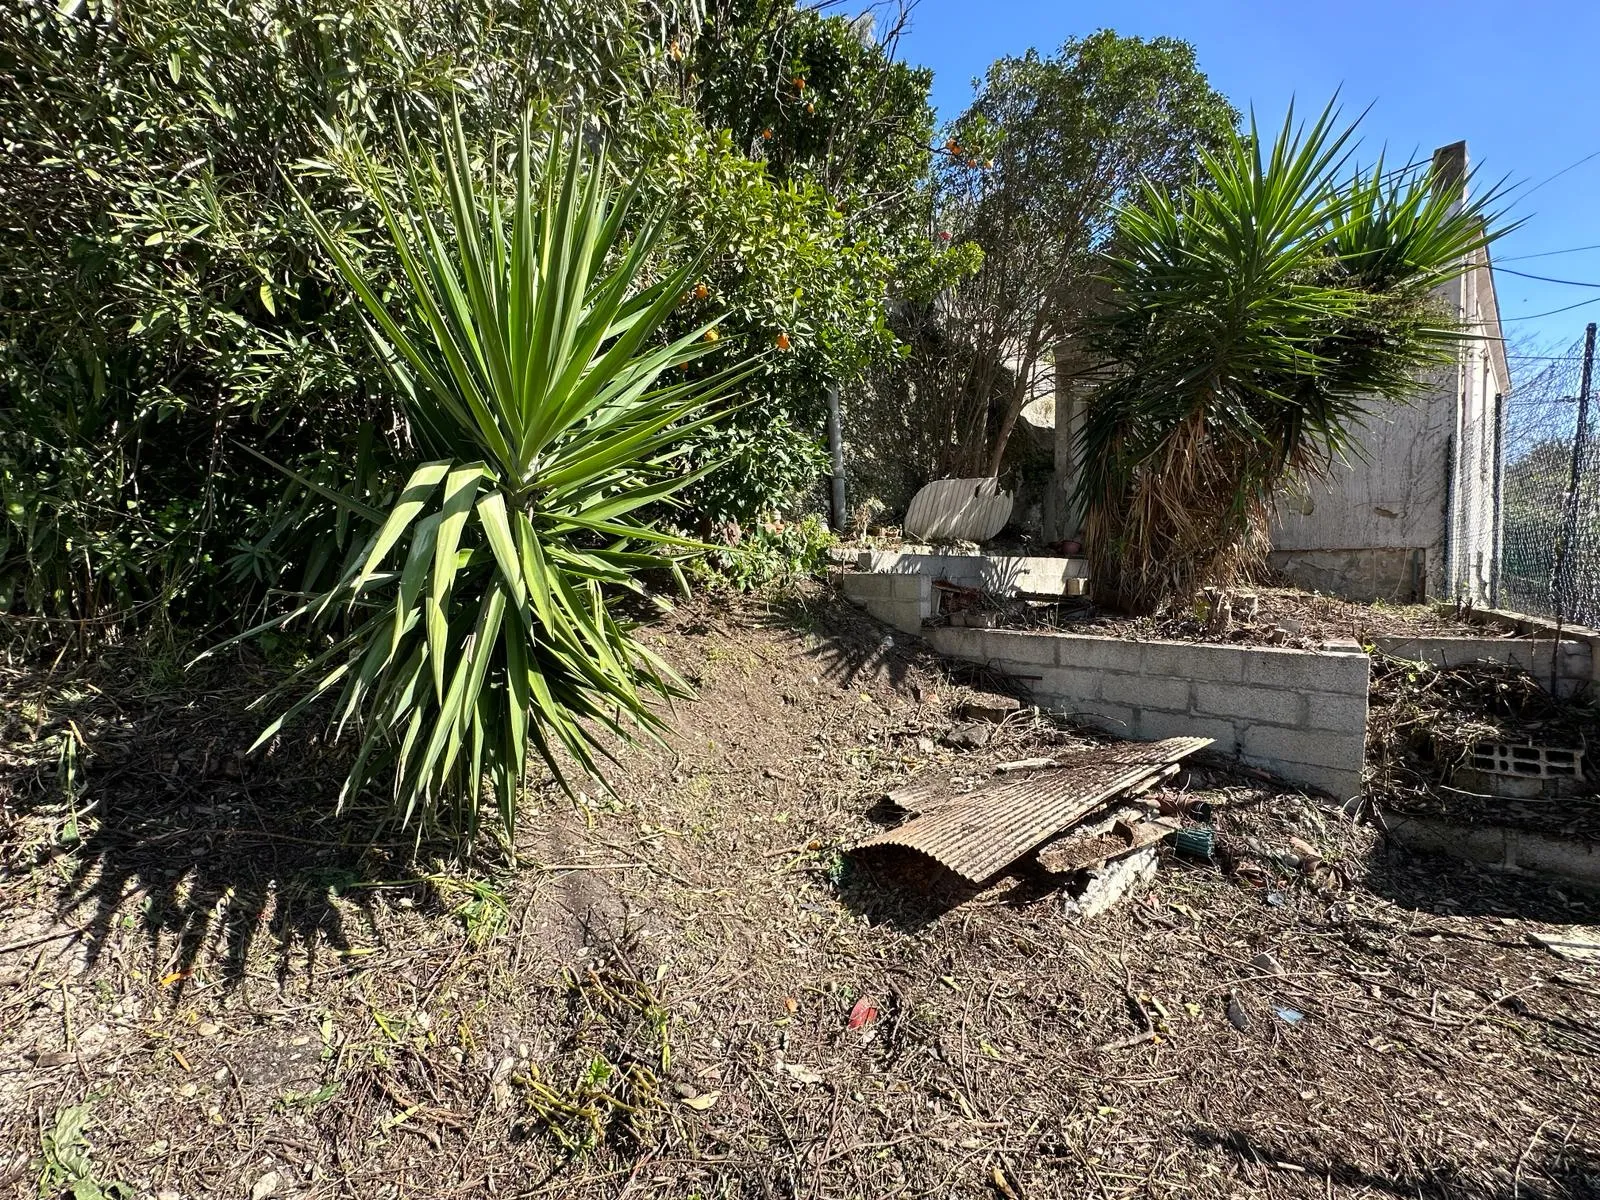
1154	724
1146	691
1313	747
1342	784
1250	703
1577	859
1188	660
867	587
1105	654
1033	648
1483	843
1336	713
905	615
1307	670
955	642
1069	685
912	587
1119	719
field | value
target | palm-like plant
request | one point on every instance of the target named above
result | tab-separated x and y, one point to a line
475	620
1254	318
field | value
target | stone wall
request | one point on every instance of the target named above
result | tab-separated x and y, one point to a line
1397	574
1298	713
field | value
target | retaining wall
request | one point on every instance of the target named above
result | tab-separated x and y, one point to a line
1569	663
1044	576
1500	847
1539	627
1298	713
899	600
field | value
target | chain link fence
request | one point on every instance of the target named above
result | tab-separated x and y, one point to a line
1549	492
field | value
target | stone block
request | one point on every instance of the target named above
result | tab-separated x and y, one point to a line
1100	653
1250	703
1312	747
1146	691
1190	661
1337	713
990	707
1307	670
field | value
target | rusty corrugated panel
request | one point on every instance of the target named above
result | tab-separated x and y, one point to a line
980	834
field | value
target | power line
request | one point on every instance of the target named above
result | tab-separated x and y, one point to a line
1559	174
1552	312
1547	278
1548	253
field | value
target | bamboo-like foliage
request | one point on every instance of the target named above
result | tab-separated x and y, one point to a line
1254	318
475	620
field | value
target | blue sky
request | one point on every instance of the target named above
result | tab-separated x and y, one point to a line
1516	80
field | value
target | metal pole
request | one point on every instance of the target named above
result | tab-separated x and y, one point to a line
836	447
1561	583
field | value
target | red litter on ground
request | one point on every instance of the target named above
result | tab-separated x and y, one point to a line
862	1013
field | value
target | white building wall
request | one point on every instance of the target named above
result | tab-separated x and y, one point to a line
1412	515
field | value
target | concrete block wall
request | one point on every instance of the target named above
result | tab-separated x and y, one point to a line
1040	575
1570	663
1539	627
1298	713
899	600
1501	847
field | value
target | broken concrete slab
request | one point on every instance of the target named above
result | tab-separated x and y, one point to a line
1577	943
1101	889
973	736
990	707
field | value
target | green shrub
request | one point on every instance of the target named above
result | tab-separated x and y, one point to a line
162	306
774	552
479	614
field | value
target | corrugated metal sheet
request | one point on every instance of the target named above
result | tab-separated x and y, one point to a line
980	834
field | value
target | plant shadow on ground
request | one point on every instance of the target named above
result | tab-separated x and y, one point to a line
1452	887
1562	1171
159	819
849	646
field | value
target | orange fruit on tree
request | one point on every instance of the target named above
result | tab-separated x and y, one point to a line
783	341
701	291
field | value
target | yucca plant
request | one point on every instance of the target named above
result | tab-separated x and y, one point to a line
478	617
1253	319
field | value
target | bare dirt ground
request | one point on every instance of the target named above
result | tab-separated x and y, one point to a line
250	1001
